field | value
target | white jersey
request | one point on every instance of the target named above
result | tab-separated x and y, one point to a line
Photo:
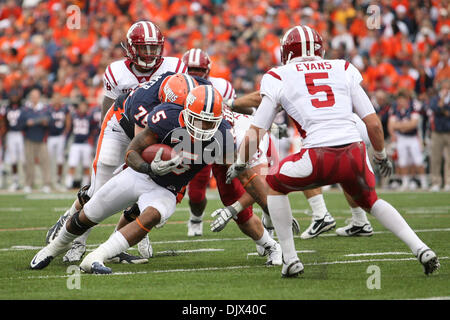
317	95
223	86
120	77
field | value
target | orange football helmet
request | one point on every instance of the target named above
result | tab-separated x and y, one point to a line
175	88
202	113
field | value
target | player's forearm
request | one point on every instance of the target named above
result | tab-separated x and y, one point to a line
407	125
133	156
251	100
250	145
375	132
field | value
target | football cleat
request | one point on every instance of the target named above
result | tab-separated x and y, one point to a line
126	258
429	260
93	264
274	257
292	269
145	248
52	233
267	224
43	258
195	228
319	226
100	268
75	253
351	230
295	226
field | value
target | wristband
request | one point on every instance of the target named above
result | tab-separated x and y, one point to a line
145	168
380	154
235	208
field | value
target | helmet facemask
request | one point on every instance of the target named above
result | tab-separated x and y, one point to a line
201	126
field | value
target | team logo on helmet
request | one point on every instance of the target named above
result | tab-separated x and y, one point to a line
202	113
175	88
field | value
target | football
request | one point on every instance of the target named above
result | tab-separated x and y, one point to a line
150	152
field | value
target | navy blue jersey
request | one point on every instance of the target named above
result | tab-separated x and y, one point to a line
58	120
406	114
81	127
164	121
139	103
12	115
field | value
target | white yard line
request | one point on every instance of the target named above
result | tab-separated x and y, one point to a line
298	251
365	254
226	268
25	247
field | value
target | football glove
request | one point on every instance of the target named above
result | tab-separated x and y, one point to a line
160	167
234	171
222	216
382	162
279	130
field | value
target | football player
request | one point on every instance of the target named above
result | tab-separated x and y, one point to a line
58	131
201	136
403	126
199	64
322	221
14	142
80	151
321	95
125	118
144	62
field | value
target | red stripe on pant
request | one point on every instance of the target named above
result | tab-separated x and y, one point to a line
346	165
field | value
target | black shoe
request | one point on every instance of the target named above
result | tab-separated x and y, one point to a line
319	226
351	230
127	258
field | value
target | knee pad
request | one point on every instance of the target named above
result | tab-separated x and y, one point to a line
82	195
78	226
132	213
244	215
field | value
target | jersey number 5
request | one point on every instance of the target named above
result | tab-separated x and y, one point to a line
313	89
157	116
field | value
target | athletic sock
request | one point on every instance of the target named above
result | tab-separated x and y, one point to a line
85	180
61	241
405	181
281	214
69	181
265	240
195	218
391	219
318	206
112	247
423	181
359	216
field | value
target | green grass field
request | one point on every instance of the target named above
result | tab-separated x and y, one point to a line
224	266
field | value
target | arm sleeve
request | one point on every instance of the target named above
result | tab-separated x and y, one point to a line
271	86
265	114
362	105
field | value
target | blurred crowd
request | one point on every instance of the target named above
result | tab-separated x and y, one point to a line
401	47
